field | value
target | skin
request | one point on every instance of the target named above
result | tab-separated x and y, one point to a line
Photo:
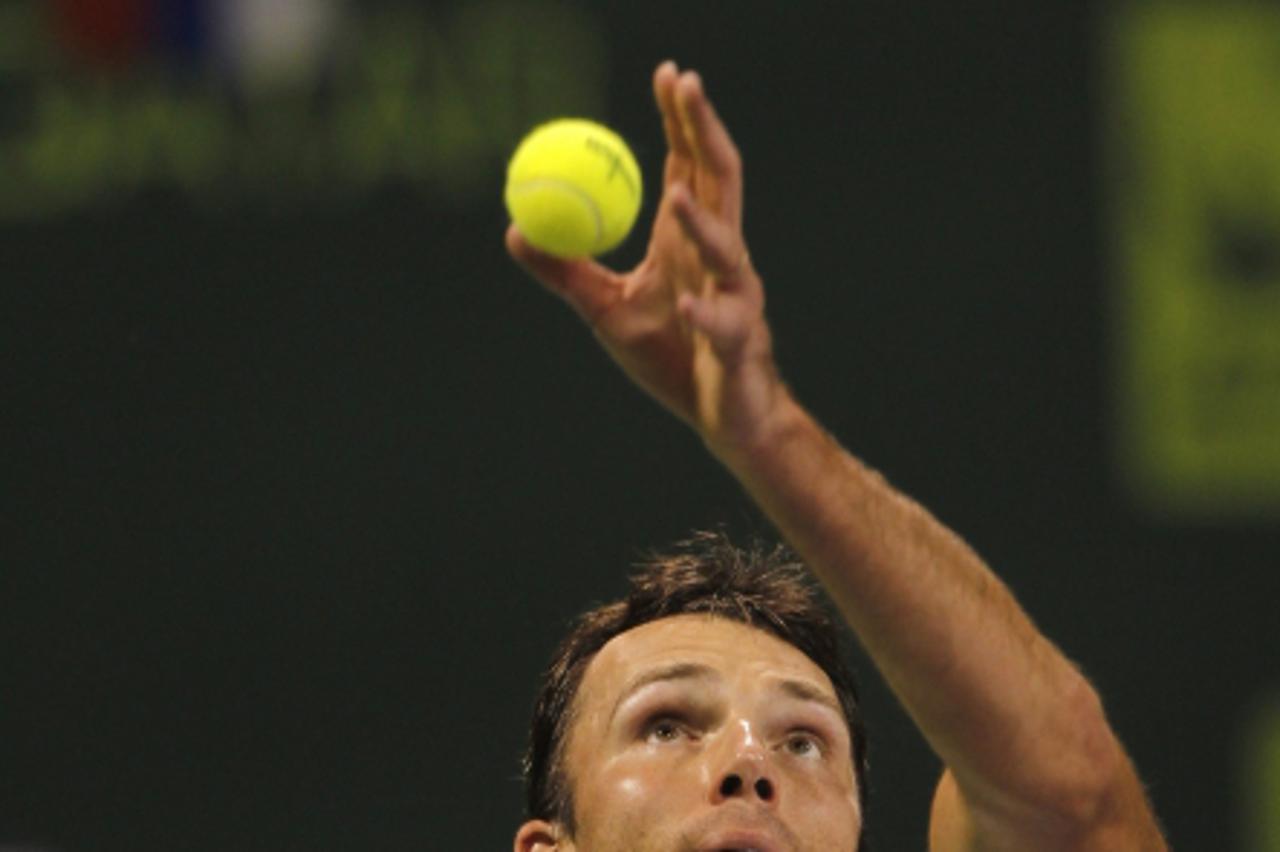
1031	760
649	764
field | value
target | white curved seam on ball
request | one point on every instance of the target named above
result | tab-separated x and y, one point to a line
534	183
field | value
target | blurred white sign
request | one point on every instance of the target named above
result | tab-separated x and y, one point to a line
284	101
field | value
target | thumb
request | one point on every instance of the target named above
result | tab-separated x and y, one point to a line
589	288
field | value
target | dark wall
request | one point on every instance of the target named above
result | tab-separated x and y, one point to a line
297	500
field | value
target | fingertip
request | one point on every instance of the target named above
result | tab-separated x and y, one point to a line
680	195
525	251
548	269
663	77
687	307
518	247
685	206
696	312
513	238
690	86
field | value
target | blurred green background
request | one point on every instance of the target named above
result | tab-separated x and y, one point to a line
302	479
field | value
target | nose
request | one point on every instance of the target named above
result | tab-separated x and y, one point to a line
743	770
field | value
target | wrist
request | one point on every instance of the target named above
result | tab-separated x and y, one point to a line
775	422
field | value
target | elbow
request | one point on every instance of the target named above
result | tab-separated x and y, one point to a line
1072	785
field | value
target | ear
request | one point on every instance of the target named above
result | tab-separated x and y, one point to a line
538	835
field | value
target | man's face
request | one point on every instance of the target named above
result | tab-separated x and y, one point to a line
700	733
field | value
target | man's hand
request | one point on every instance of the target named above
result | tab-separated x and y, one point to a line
687	324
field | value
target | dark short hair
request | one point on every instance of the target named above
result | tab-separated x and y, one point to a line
764	587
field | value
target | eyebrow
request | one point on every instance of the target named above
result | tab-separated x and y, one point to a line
805	691
664	673
798	689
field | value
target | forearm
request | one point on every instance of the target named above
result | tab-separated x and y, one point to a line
1003	708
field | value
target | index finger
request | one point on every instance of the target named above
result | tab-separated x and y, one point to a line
664	92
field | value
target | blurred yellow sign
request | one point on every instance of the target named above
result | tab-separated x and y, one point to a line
1260	785
1195	184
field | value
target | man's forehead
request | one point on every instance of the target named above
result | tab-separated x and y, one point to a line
726	648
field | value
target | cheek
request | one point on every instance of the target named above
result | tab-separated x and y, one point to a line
823	811
637	794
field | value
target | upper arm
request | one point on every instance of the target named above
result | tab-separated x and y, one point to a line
1125	823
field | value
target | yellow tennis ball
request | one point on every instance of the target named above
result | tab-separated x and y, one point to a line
573	188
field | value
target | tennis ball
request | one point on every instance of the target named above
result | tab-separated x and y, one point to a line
573	188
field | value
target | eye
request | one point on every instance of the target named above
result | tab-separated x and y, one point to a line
804	744
665	729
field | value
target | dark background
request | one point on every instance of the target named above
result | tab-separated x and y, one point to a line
297	502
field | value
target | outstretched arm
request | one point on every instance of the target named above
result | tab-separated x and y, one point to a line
1031	761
